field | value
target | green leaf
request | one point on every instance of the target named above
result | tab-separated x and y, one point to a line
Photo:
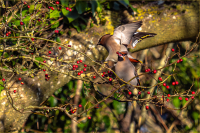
134	9
94	6
83	26
119	107
76	25
54	23
17	22
176	102
55	14
31	9
81	6
58	39
71	16
24	12
91	25
1	87
125	3
53	101
26	20
116	6
70	85
65	3
106	120
195	115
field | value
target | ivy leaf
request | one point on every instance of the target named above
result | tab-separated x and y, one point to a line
76	25
54	23
176	102
71	16
81	6
119	107
94	6
55	14
134	9
65	2
125	3
106	120
32	7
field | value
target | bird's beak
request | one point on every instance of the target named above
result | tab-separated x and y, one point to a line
124	58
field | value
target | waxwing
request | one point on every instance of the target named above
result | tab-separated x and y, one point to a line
123	35
126	70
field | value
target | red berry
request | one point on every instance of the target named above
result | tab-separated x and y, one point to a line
168	95
49	7
70	9
148	92
39	20
192	97
94	77
44	70
102	75
85	65
155	71
77	62
25	2
7	34
186	99
181	60
19	79
167	100
14	91
173	83
49	52
76	66
173	50
80	106
3	80
108	71
32	53
147	107
57	2
139	92
32	39
52	8
44	61
180	98
60	48
28	6
84	69
146	70
79	73
193	92
46	75
149	70
160	79
21	23
56	31
81	61
164	84
89	117
176	82
178	61
69	45
129	92
67	8
167	86
22	83
110	79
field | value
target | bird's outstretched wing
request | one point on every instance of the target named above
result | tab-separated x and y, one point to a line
139	36
125	32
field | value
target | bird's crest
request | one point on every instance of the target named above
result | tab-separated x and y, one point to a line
103	39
